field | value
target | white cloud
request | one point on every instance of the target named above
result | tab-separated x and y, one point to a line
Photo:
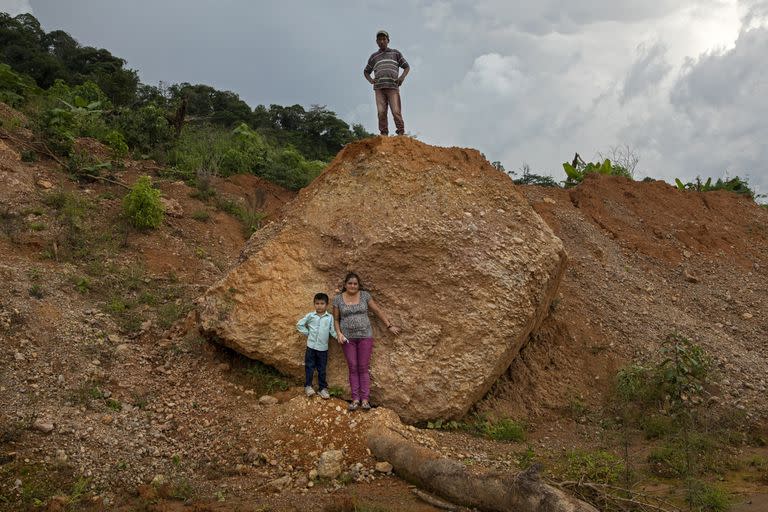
496	75
15	7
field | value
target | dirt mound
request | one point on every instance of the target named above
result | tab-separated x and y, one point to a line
658	220
645	260
450	249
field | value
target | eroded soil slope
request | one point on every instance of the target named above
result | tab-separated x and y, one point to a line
646	260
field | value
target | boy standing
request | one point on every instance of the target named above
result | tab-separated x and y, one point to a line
317	326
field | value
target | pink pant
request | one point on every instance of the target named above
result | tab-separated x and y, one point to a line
358	355
389	98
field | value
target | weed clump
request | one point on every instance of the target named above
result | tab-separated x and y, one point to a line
142	206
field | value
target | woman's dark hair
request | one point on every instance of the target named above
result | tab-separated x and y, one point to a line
350	276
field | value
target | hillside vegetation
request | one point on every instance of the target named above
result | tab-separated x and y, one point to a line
69	91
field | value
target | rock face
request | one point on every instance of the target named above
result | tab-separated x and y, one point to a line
445	244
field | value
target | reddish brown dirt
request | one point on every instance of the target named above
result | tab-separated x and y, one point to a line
644	260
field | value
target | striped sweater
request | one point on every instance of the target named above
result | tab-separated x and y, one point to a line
384	64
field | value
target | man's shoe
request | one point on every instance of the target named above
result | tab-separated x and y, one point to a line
353	405
324	394
366	406
309	391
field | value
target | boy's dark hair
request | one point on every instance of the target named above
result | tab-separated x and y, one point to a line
321	296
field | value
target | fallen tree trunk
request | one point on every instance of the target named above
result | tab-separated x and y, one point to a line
523	492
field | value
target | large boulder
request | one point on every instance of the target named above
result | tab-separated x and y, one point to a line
447	247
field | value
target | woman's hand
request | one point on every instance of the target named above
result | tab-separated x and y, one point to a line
394	329
342	339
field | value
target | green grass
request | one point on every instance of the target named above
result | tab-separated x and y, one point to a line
201	215
263	378
36	291
504	430
703	497
40	483
594	466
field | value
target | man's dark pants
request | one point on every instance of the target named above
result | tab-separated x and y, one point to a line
389	98
315	359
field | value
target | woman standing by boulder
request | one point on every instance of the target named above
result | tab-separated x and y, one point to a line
353	330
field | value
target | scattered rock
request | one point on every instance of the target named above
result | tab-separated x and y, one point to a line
746	316
18	356
268	400
282	483
172	207
330	464
43	426
690	277
383	467
44	184
61	456
158	480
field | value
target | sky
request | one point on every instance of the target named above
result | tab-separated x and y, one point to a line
682	84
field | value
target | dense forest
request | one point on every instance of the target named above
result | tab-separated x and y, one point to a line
69	91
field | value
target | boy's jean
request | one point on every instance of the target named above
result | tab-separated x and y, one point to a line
358	355
315	359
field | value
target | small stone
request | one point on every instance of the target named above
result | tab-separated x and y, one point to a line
746	316
106	419
172	207
517	240
146	325
47	185
43	426
268	400
330	464
282	483
687	254
549	200
313	474
223	367
383	467
61	456
122	351
690	277
115	338
158	480
18	356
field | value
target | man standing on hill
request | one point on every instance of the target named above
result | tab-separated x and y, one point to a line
385	65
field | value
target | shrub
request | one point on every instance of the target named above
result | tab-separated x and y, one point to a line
504	430
703	497
142	206
736	185
578	169
116	142
529	178
598	467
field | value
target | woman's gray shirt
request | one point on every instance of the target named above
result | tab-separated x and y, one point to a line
353	318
